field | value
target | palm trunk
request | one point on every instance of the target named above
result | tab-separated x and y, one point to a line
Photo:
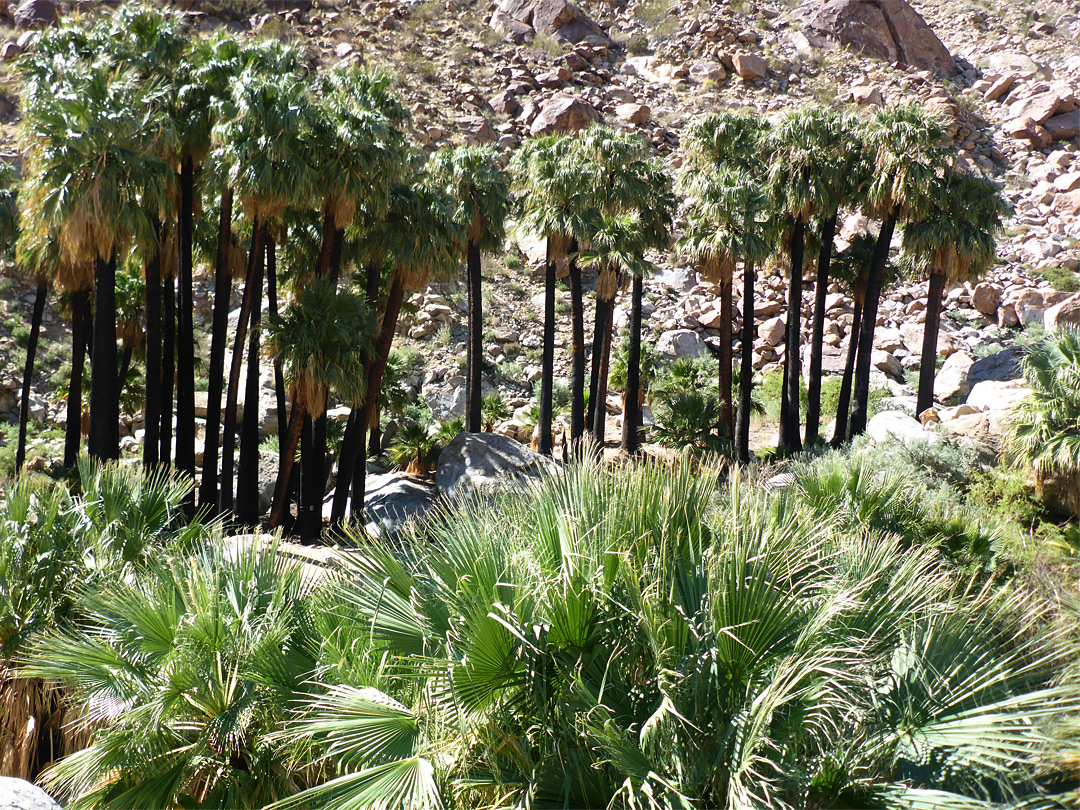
727	410
821	290
28	372
746	371
844	402
547	381
790	441
185	356
375	447
247	474
375	374
104	396
476	338
312	479
288	458
632	411
928	363
335	255
279	376
80	302
152	399
577	344
857	423
600	318
168	369
228	439
208	491
125	367
599	426
353	442
326	244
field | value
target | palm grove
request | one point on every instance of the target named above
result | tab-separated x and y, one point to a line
146	147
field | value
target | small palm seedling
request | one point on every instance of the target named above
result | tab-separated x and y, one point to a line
493	411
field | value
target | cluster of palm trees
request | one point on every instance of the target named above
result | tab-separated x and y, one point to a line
136	134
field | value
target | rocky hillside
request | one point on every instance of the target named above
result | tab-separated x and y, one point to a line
1004	72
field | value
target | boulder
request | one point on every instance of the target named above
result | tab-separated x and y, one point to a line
886	29
35	13
1028	129
867	96
750	66
1064	126
556	18
1067	205
395	499
486	462
1064	314
999	367
951	382
477	130
707	71
680	279
1039	108
986	298
17	794
563	113
772	330
633	113
887	363
510	29
997	395
898	426
681	343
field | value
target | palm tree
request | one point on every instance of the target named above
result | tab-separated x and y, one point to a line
549	186
1042	431
956	240
472	177
323	342
264	156
906	144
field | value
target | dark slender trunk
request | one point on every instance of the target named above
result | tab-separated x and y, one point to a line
861	397
326	244
28	372
375	447
351	456
928	363
288	458
746	371
335	255
125	367
279	376
185	341
790	441
208	491
577	344
727	410
228	439
168	369
80	306
843	404
104	396
476	341
599	426
307	480
375	374
632	411
547	381
152	398
312	479
600	319
821	290
247	472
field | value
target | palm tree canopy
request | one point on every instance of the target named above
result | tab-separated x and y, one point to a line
729	138
549	190
471	176
907	146
806	149
323	341
958	235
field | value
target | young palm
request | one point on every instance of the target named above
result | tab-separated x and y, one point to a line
1044	431
955	241
481	189
906	144
550	187
323	342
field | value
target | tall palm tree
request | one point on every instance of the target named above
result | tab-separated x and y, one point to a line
262	149
472	177
323	342
549	189
907	148
954	241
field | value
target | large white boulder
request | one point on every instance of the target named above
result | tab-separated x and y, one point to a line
486	461
899	426
18	794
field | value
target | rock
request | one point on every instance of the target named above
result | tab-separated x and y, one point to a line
17	794
1065	314
1027	129
395	499
951	382
633	113
887	363
707	71
999	88
1069	181
680	278
486	462
681	343
886	29
268	475
750	66
505	103
564	113
986	298
35	13
477	130
997	395
1065	126
556	18
898	426
1019	65
510	29
1039	109
1029	307
867	96
772	331
1067	205
999	367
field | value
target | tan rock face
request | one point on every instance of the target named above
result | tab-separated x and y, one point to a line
557	18
1064	314
986	298
750	66
563	113
633	113
886	29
